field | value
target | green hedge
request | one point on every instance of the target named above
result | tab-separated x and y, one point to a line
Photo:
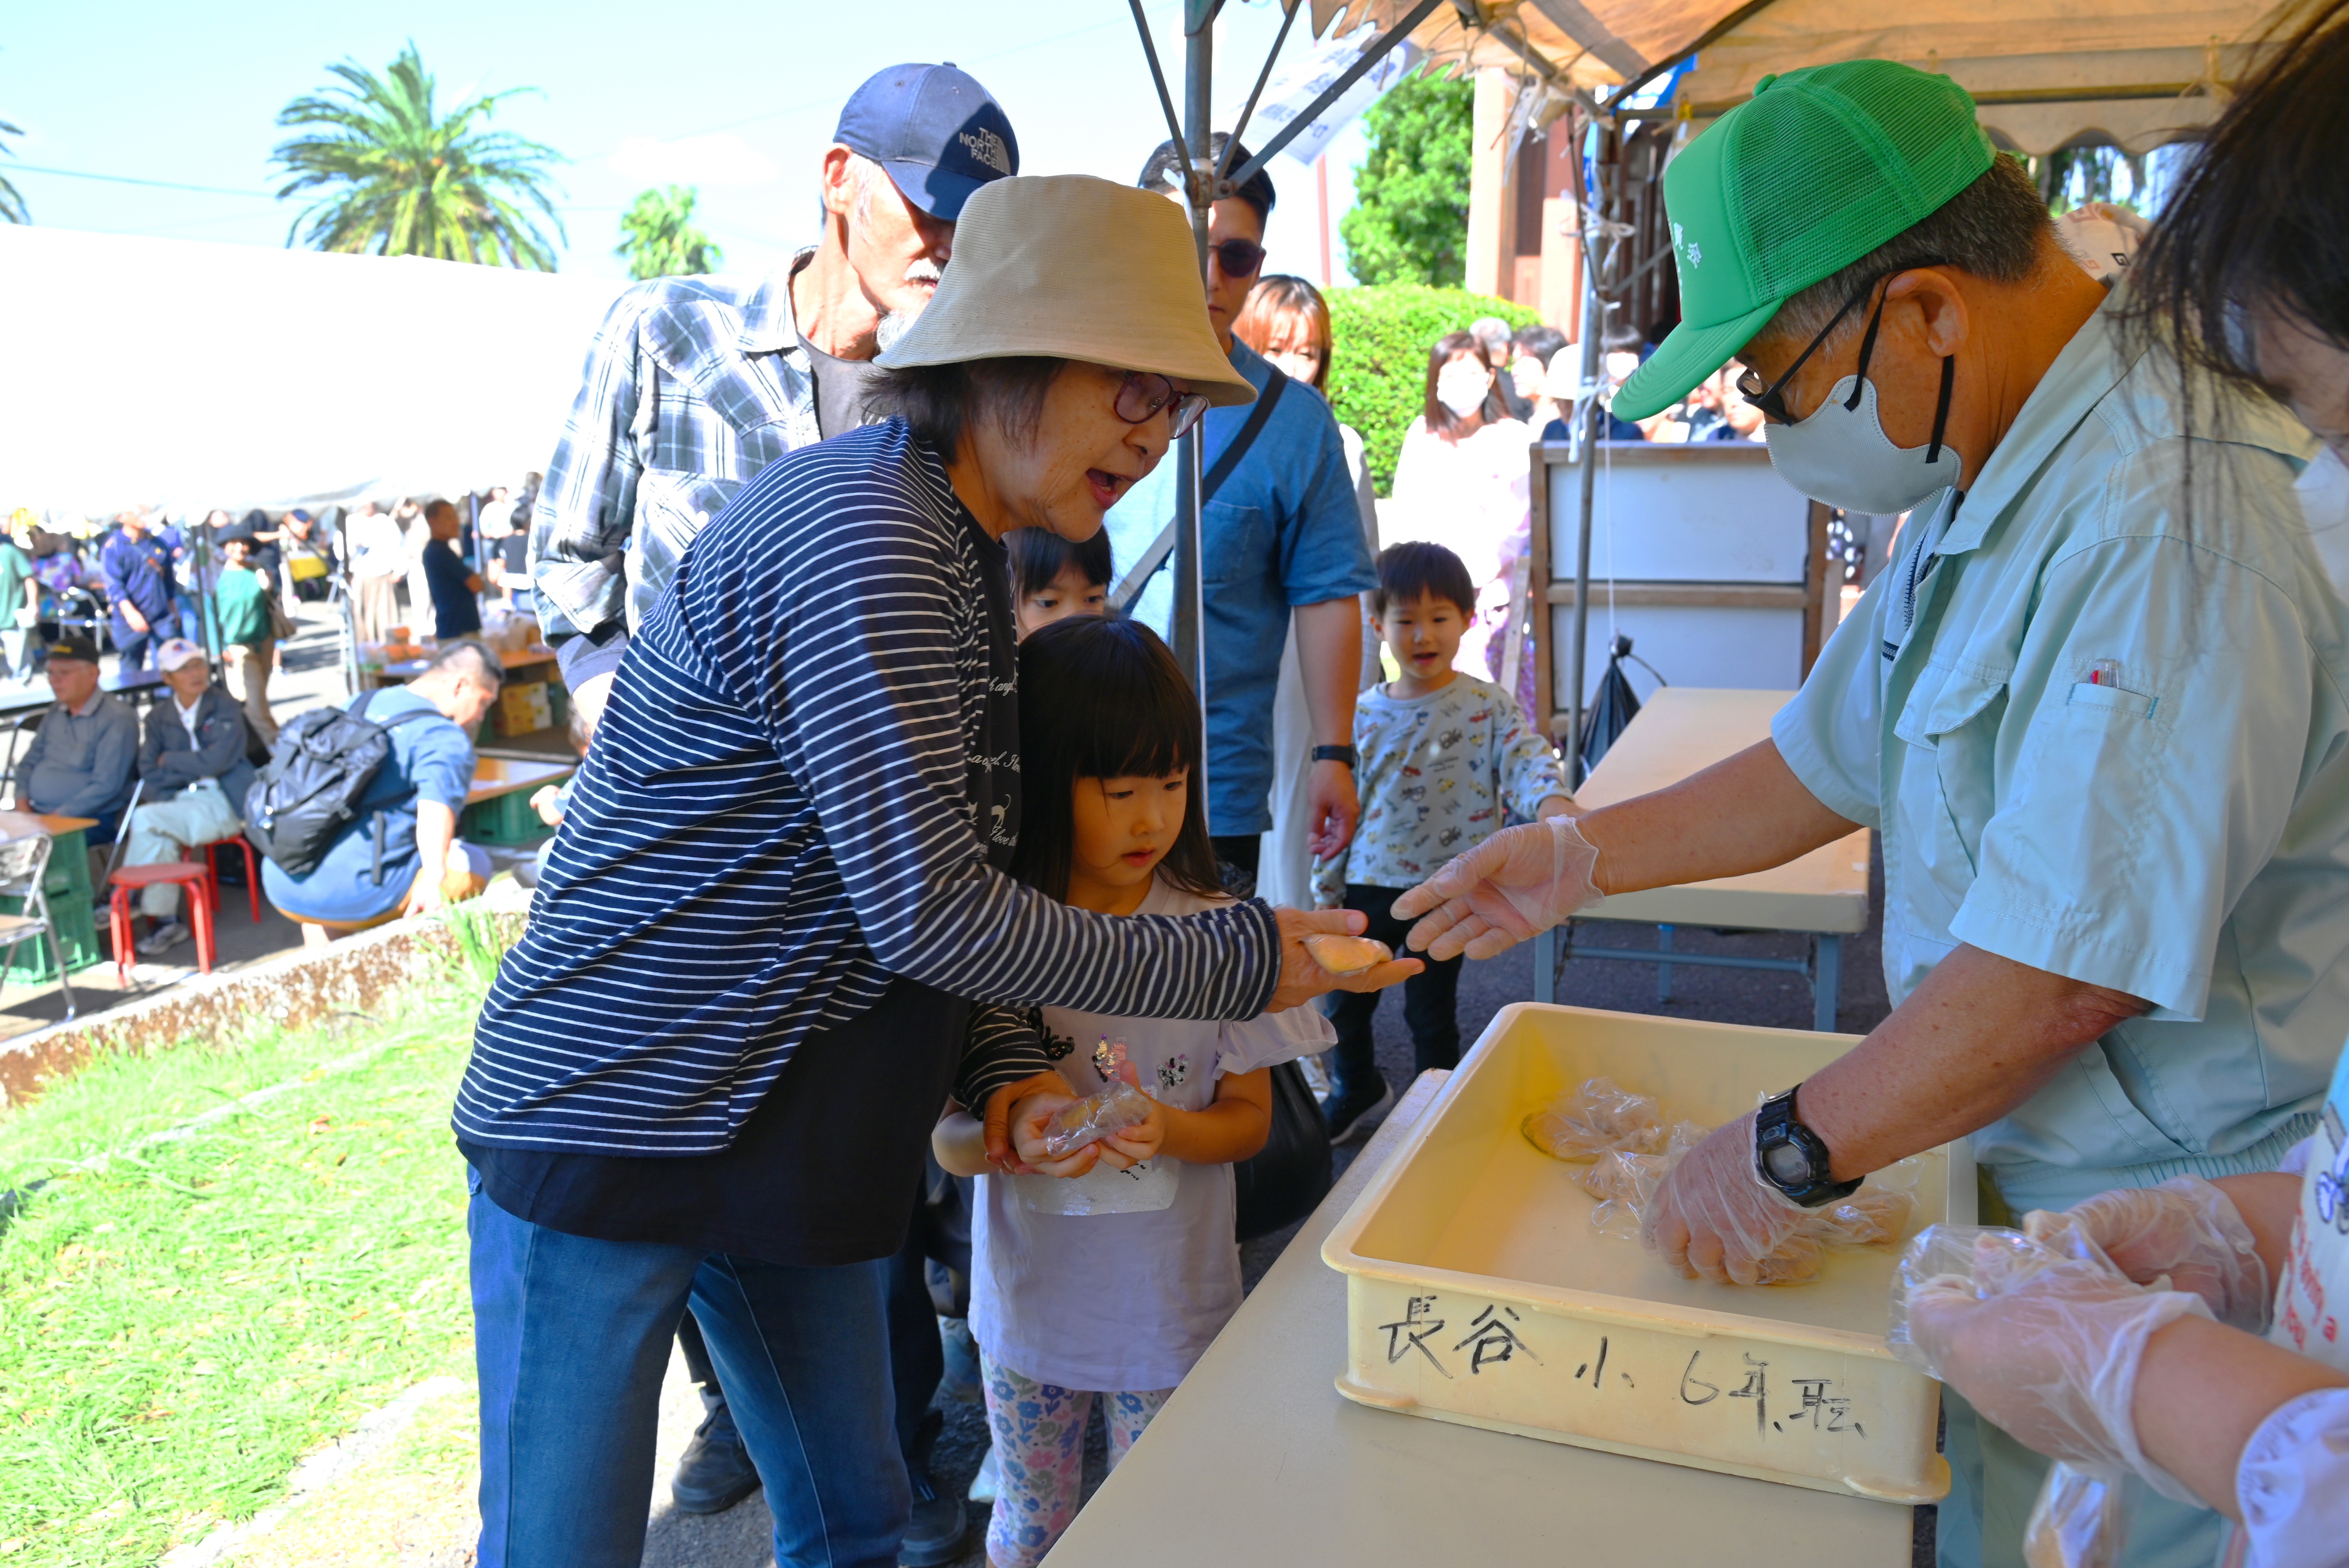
1378	364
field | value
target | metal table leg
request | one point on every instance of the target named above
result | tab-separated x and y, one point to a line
1545	965
1826	980
1663	969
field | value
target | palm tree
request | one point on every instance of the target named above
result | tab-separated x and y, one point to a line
399	181
12	205
658	239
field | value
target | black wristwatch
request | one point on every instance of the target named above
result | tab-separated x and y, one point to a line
1792	1158
1344	754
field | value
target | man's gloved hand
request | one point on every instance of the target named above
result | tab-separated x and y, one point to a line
1516	884
2045	1347
1715	1218
2184	1229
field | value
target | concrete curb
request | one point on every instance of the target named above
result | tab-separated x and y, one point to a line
352	975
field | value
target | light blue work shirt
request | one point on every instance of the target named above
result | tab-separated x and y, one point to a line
2102	734
1284	530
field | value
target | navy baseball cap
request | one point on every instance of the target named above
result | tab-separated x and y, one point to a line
937	132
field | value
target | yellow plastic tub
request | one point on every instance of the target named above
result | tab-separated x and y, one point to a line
1478	1292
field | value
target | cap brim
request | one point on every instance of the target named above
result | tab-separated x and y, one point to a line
1687	356
939	193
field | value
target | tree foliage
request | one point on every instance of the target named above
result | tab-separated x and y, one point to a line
658	238
12	205
1378	342
397	179
1410	222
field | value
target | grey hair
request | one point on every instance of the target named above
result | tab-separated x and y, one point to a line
465	659
1995	228
865	172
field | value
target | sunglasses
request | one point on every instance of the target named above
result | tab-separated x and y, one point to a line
1144	394
1772	399
1238	258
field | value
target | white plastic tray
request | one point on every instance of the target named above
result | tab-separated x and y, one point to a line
1478	1293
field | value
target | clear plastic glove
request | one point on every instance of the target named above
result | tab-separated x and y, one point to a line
1714	1217
2045	1346
2184	1230
1517	884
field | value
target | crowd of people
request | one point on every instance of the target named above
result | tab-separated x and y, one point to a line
192	609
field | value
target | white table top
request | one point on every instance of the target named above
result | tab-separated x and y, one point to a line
1684	730
1258	1461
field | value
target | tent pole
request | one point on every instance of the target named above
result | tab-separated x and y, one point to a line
1593	324
1198	65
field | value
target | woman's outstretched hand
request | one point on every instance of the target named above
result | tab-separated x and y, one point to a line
1517	884
1302	978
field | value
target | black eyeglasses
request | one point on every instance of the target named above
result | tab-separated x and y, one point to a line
1142	395
1238	258
1772	399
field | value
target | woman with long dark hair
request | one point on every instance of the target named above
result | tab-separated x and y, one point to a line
1461	482
2216	1369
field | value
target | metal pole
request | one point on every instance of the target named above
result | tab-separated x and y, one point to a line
1593	317
1198	66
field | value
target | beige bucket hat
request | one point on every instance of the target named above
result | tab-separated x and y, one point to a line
1076	268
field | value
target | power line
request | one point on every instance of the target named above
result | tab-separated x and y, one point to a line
127	179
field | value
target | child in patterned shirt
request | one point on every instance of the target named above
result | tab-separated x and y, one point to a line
1440	755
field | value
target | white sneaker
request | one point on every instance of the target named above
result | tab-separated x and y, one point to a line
989	1479
164	938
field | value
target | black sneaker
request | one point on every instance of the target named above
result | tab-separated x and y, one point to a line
934	1535
715	1471
1348	1110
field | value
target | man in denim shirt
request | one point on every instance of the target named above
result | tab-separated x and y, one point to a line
1283	535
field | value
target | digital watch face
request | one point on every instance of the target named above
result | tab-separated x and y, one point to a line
1788	1165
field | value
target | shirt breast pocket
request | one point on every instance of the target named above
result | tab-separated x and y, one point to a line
1947	782
1235	544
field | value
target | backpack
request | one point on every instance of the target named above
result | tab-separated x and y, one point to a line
322	764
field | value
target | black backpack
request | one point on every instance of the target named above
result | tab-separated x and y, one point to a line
322	764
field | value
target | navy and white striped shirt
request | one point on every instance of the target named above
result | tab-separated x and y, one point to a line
805	782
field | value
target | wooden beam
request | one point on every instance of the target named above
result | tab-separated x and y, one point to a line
1707	595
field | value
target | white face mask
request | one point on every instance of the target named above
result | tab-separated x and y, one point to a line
1461	386
1840	455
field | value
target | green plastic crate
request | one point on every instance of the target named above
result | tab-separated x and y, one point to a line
67	886
505	820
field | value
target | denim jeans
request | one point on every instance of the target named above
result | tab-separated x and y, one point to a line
572	1337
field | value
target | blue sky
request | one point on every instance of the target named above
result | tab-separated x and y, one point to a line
739	101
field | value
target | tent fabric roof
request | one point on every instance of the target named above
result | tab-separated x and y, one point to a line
199	376
2133	72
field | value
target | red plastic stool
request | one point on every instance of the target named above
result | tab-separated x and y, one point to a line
192	876
202	853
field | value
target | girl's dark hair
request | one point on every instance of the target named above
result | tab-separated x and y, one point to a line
1440	418
1103	698
1039	556
2261	219
941	402
1408	573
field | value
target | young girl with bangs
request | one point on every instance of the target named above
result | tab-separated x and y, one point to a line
1107	1273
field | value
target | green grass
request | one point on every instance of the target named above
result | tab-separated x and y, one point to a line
180	1322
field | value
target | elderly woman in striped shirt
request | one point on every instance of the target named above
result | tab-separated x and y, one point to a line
775	933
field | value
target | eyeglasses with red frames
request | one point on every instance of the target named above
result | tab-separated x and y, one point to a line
1144	395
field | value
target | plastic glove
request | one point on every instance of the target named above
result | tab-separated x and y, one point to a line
1516	884
2187	1230
1715	1217
2045	1347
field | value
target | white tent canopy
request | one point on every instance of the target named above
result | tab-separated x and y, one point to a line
196	376
2136	73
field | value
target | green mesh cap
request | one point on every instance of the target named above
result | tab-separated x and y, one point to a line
1820	167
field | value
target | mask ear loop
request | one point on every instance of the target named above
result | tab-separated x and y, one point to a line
1867	353
1941	409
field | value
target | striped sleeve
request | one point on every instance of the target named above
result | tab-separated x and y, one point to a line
1002	1048
862	611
